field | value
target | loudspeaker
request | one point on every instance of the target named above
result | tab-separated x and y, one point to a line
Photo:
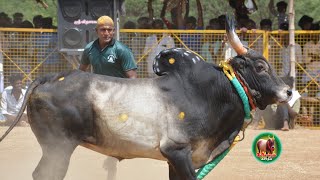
77	20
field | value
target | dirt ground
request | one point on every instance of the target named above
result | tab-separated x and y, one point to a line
300	159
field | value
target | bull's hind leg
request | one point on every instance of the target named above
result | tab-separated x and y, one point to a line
55	160
180	163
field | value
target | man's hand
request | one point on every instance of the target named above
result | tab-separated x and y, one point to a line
132	74
42	3
84	67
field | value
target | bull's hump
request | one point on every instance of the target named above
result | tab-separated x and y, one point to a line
175	60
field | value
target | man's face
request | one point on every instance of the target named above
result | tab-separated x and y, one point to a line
266	27
105	33
190	26
158	26
307	26
17	20
281	9
17	84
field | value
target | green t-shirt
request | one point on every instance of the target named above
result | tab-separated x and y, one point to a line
113	60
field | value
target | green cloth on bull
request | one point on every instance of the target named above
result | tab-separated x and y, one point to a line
113	60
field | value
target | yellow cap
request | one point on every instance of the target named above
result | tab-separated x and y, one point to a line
105	20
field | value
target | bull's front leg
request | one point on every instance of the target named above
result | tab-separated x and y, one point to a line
179	160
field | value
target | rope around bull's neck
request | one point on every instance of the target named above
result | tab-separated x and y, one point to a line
228	71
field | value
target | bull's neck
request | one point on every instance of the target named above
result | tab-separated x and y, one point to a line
240	87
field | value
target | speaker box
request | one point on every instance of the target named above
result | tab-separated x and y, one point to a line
77	20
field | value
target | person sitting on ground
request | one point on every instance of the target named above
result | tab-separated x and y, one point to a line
282	115
11	101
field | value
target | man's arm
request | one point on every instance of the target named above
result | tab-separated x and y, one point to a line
150	10
180	19
84	62
186	15
271	8
200	15
132	74
163	15
84	67
127	62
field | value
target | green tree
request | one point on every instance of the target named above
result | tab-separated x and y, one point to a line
138	8
212	9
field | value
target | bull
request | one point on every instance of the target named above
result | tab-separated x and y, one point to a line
187	116
266	145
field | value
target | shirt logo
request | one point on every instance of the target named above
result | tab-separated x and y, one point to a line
111	59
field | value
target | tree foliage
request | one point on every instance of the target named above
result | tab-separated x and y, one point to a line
138	8
214	8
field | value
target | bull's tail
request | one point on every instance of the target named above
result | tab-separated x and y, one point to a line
33	85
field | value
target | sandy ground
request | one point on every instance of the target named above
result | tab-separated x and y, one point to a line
300	159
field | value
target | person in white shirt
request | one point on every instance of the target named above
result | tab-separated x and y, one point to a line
213	46
155	43
285	54
311	62
311	50
12	99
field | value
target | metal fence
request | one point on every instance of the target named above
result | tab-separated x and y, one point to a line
31	52
34	52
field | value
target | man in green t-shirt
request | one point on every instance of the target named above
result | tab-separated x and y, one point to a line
106	55
110	57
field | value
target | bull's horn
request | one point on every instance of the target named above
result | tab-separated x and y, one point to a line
233	37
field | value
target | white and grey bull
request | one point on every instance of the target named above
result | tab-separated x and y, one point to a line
266	145
187	116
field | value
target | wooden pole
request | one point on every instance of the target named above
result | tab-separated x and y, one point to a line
291	41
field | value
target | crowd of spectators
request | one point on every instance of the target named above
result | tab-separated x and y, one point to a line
215	47
26	49
17	21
